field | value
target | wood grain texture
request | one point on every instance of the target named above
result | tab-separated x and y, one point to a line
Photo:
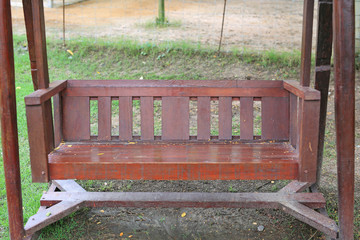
275	118
293	120
147	118
125	118
9	130
39	147
76	118
175	118
246	118
203	118
225	118
181	161
104	118
58	130
308	140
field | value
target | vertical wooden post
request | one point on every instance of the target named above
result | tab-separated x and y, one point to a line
306	44
161	18
9	133
344	61
322	72
27	8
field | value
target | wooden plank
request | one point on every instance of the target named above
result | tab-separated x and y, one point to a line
58	136
147	118
9	130
68	186
177	83
76	118
308	140
306	93
306	44
175	118
28	17
125	118
175	161
184	199
247	118
293	120
42	95
311	217
203	118
39	147
104	118
104	91
275	118
225	118
40	43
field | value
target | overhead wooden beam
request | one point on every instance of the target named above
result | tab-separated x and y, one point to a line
9	131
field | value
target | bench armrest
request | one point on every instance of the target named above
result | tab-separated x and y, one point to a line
305	93
42	95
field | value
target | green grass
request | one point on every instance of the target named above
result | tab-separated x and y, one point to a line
156	25
125	59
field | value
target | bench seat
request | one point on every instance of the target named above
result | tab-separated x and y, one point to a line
174	161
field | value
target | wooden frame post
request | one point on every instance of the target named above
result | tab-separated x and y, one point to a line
344	62
9	132
322	73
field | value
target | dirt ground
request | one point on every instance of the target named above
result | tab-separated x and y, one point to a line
196	21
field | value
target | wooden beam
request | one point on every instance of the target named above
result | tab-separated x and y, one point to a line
306	48
344	64
9	131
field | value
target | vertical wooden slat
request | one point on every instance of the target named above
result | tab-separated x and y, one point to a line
9	131
39	147
203	118
247	118
76	118
293	119
308	140
275	118
225	118
147	118
306	48
104	118
57	119
175	118
125	118
344	64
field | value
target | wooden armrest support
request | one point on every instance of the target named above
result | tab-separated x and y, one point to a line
305	93
42	95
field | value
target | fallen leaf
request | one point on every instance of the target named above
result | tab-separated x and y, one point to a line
121	234
132	143
99	154
130	236
102	211
69	145
69	51
48	214
98	222
18	87
183	214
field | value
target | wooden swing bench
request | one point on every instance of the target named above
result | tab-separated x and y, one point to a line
287	148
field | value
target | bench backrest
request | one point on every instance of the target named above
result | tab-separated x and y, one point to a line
174	98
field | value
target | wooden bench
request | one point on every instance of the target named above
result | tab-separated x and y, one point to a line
62	147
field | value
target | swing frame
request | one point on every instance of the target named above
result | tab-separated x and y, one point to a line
290	199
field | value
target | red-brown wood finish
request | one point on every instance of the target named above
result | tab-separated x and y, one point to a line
9	131
293	120
203	118
76	118
58	130
147	118
175	161
306	45
247	118
175	118
225	118
104	118
344	64
125	118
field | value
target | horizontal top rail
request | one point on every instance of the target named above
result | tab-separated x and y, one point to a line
306	93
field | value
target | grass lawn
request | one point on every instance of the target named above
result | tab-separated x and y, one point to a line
124	59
